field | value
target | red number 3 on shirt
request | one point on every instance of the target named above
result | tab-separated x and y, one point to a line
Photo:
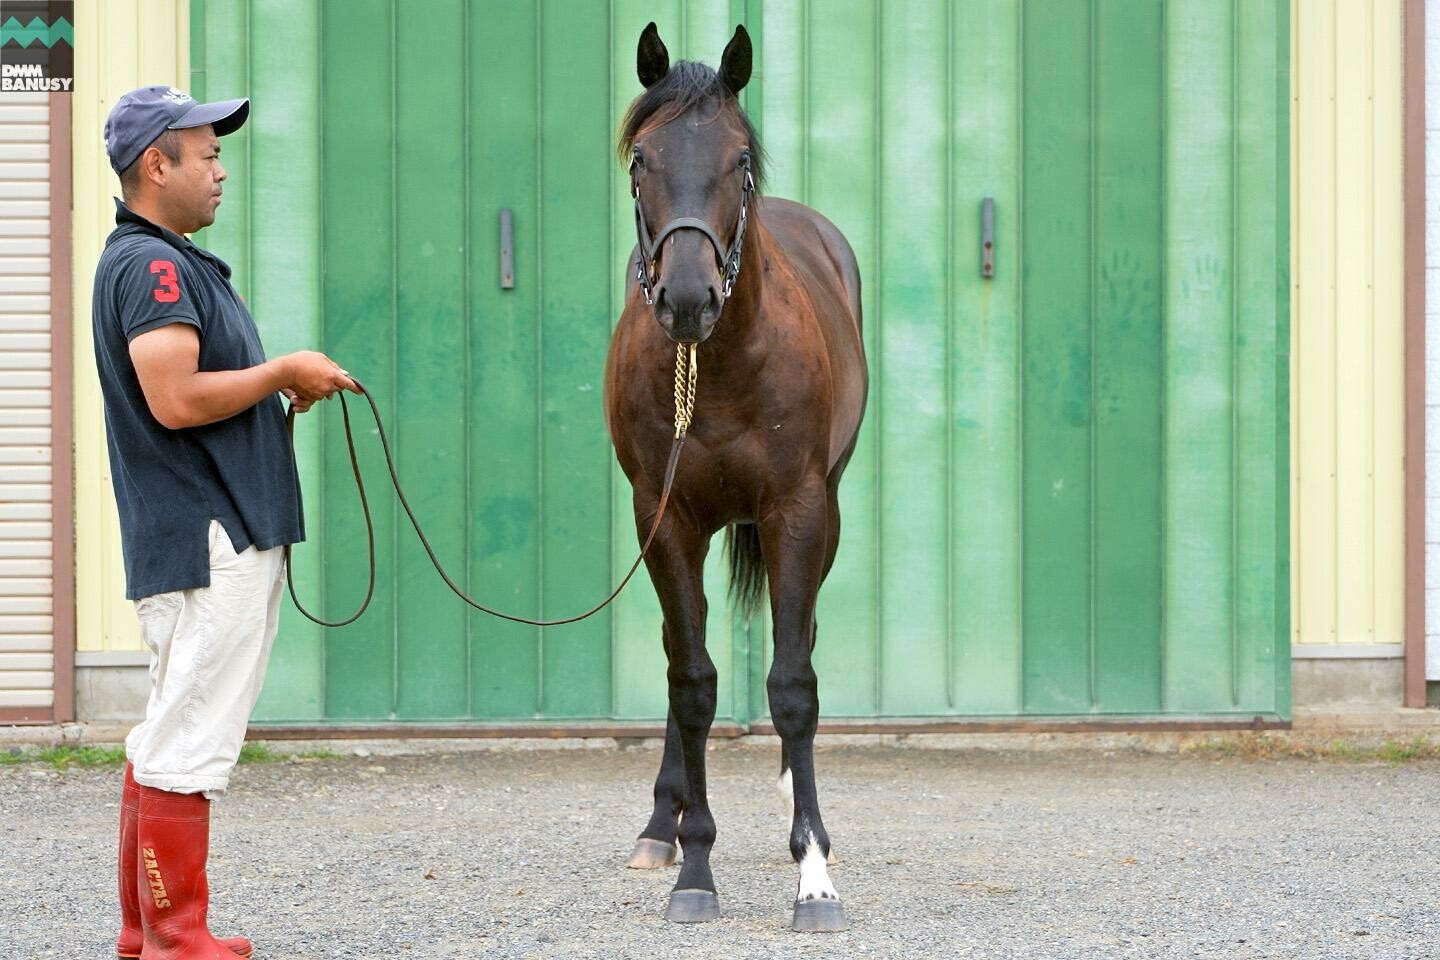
168	289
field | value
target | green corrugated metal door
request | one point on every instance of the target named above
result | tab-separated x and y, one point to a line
363	218
1069	497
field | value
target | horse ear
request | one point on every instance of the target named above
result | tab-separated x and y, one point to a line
652	60
735	63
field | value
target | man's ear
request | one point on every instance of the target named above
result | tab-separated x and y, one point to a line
154	165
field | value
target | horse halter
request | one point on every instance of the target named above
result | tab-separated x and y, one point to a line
648	254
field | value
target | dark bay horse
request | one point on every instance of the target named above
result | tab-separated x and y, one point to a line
770	291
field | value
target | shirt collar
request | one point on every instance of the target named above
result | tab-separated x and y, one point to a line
124	215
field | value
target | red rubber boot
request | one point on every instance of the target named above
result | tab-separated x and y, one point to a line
127	946
173	840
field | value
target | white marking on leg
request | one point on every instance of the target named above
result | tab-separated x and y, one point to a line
786	786
814	878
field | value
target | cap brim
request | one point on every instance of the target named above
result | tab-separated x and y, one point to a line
226	116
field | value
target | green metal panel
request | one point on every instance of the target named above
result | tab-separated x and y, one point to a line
1057	298
909	416
1199	331
503	511
266	227
1069	496
823	127
1262	274
359	199
574	274
428	346
1125	276
985	363
286	249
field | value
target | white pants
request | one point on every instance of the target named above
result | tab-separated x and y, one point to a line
208	650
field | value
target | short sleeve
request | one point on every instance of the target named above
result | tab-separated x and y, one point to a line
154	288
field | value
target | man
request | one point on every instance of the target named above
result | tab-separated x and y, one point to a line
208	495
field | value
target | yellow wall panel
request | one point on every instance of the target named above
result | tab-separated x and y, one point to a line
119	45
1347	414
1313	324
1354	323
1388	258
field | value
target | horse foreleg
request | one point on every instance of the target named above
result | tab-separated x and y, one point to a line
676	564
692	700
794	541
656	848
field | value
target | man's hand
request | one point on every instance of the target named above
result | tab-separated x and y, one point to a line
314	376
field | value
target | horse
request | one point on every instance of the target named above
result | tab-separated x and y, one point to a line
769	292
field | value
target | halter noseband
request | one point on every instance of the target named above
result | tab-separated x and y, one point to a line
648	254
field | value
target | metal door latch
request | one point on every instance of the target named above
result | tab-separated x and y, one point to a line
507	249
987	237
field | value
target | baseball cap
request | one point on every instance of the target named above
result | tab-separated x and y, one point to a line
142	115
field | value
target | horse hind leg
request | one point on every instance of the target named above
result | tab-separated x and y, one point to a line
785	787
656	848
796	565
817	905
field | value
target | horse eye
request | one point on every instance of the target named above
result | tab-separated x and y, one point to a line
744	160
636	160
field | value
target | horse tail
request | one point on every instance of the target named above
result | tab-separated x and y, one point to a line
747	568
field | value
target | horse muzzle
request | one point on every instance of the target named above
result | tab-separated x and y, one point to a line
688	313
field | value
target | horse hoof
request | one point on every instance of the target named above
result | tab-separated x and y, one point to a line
820	916
652	854
692	906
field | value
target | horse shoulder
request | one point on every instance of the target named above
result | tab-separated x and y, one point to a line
807	235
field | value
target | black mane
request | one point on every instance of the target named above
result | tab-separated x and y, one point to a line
688	85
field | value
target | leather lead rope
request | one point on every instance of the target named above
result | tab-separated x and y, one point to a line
685	403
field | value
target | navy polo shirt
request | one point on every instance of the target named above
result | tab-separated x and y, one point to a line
169	484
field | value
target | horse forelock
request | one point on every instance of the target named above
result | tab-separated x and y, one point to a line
688	86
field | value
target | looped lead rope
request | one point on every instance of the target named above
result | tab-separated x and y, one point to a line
686	370
364	508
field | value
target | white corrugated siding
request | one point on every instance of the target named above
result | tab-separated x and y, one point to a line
27	677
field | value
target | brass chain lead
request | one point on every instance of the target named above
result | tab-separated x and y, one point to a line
687	369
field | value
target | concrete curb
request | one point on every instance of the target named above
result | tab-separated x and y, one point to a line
1308	729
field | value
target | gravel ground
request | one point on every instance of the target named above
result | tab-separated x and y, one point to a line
944	853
